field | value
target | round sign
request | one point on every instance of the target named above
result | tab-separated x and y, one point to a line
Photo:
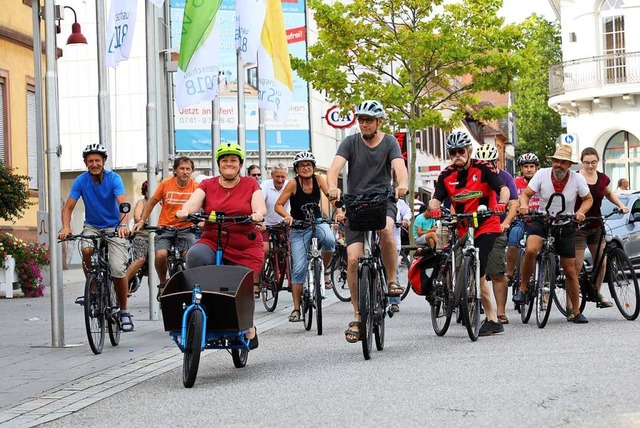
336	119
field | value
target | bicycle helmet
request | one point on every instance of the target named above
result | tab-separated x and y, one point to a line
303	156
94	148
458	140
371	108
528	158
230	149
487	152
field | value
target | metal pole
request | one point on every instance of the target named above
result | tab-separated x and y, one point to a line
53	164
152	148
104	108
168	147
262	135
242	126
215	132
37	59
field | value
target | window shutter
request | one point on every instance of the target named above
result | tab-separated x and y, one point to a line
32	143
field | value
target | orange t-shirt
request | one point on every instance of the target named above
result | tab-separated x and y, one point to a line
173	197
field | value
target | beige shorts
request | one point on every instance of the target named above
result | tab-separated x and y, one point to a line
118	251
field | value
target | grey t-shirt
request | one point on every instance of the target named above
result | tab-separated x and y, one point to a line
369	168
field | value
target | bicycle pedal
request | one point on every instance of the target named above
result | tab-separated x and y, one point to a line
80	301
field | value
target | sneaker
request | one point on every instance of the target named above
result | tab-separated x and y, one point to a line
126	321
490	327
519	298
580	319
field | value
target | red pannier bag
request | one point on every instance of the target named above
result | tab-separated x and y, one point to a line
423	271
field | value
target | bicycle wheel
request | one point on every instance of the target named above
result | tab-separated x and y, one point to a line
306	309
441	304
239	357
623	283
526	309
269	285
380	305
317	292
407	261
515	280
364	308
545	290
94	311
112	316
469	301
560	293
192	348
338	269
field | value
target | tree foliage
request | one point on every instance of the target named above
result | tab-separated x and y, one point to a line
538	125
14	194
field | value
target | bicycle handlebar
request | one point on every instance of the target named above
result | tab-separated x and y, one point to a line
102	233
218	217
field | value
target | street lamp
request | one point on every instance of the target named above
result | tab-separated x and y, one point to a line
76	37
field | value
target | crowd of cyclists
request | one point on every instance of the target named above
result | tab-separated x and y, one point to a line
375	165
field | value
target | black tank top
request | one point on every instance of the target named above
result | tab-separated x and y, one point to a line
300	198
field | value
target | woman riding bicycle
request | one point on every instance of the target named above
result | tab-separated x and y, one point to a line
590	234
235	196
303	189
140	243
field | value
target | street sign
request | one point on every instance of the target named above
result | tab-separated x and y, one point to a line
336	119
571	139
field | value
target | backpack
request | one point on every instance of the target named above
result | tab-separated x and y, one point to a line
423	271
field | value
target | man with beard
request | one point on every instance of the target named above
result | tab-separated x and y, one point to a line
549	182
272	189
102	191
469	183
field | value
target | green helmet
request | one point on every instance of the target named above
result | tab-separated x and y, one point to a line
230	149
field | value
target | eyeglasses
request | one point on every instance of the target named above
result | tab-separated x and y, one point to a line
305	165
592	163
366	120
257	175
454	152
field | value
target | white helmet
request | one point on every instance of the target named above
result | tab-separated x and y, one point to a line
458	140
487	152
371	108
94	148
303	156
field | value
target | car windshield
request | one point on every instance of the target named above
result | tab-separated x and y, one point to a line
607	207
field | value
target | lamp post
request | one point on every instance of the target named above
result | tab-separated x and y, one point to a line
104	108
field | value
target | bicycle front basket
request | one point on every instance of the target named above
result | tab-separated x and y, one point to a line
366	212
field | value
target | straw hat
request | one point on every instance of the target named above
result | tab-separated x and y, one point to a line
564	152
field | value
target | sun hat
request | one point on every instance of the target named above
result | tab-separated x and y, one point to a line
564	152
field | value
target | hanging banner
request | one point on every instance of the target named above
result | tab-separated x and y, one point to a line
250	19
120	27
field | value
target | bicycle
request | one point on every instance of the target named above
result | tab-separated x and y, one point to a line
338	272
194	295
367	213
277	266
313	288
99	299
619	274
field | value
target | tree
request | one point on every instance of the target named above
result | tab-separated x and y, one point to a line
411	55
538	125
14	196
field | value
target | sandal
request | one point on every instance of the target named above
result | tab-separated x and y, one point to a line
603	303
253	343
126	322
328	284
160	288
394	308
256	291
503	319
293	317
352	336
394	290
570	315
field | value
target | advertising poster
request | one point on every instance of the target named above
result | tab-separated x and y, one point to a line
193	124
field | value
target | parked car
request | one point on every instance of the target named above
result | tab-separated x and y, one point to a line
624	229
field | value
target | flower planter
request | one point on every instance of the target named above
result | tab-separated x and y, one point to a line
8	277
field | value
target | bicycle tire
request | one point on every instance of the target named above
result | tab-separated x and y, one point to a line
239	357
546	285
515	279
405	258
192	348
269	285
94	313
441	305
582	287
113	319
306	308
338	271
560	293
379	323
469	302
623	283
364	308
317	295
526	309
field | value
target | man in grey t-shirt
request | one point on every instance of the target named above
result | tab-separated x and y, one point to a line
373	156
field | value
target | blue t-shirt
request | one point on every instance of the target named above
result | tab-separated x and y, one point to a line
422	222
511	185
101	206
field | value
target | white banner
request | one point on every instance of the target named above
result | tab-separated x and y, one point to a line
250	19
120	28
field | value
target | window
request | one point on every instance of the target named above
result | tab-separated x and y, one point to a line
614	41
32	140
621	158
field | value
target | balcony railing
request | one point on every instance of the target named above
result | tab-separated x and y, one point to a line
594	72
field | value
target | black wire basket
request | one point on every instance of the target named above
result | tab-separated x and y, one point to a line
366	212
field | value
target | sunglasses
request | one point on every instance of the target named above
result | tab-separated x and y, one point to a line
366	120
454	152
257	175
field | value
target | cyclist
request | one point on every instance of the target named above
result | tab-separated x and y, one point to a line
589	235
497	262
469	183
305	188
372	155
101	191
235	196
403	217
548	181
140	243
172	192
528	164
255	172
272	189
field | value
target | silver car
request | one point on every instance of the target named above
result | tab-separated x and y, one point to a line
624	229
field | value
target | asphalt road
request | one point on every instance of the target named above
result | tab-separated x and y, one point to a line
583	375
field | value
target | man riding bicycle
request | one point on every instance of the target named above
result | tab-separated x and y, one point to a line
550	182
469	183
372	155
172	192
102	191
